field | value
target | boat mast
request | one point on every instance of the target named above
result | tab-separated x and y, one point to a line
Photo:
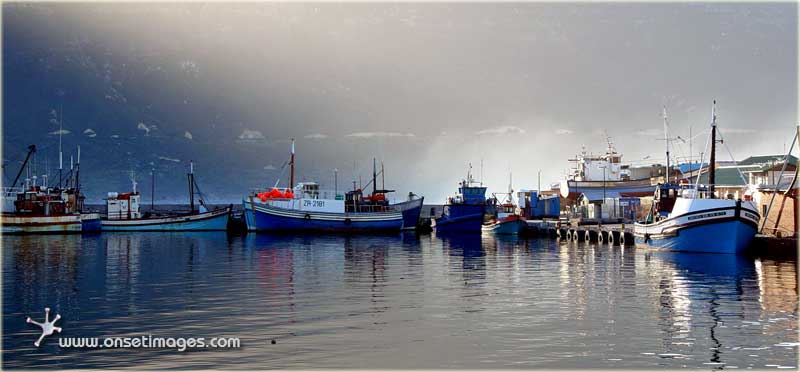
712	161
666	142
78	174
60	154
291	162
152	189
31	150
191	186
374	178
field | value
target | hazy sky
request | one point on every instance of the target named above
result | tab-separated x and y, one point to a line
429	88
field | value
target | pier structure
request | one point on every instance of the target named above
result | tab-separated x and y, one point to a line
613	234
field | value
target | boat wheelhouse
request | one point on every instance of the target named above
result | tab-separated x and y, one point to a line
463	212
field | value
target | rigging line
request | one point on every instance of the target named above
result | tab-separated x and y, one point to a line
283	171
700	170
785	162
735	163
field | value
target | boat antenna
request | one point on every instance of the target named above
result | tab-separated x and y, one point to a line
132	177
383	177
481	171
291	163
713	156
666	142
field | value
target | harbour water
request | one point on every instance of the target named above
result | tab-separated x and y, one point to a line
403	301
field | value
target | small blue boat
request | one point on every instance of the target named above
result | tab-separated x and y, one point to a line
464	212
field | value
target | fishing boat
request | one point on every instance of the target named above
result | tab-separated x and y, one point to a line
37	209
463	212
40	210
503	217
692	218
123	213
606	172
307	208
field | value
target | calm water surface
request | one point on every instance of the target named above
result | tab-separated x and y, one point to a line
395	302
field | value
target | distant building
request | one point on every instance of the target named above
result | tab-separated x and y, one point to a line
733	179
780	219
763	171
611	206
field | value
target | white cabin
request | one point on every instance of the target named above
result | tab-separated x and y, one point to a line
123	206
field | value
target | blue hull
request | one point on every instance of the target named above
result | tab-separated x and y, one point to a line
411	211
295	221
249	216
506	228
721	237
89	225
469	223
208	221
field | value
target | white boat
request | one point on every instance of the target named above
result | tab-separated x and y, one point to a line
691	218
123	213
306	208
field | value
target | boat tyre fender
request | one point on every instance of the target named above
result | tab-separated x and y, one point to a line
646	237
347	221
307	217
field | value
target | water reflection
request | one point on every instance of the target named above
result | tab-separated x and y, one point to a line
354	302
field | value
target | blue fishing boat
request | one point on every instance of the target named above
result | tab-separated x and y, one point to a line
410	210
306	208
691	218
123	213
463	212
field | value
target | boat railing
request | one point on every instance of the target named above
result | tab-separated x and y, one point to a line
12	191
299	194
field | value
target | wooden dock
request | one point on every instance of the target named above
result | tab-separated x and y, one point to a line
614	234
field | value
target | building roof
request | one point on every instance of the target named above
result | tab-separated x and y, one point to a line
725	177
770	167
686	167
763	160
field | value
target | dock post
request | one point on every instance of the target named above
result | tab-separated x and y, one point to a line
613	237
591	236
